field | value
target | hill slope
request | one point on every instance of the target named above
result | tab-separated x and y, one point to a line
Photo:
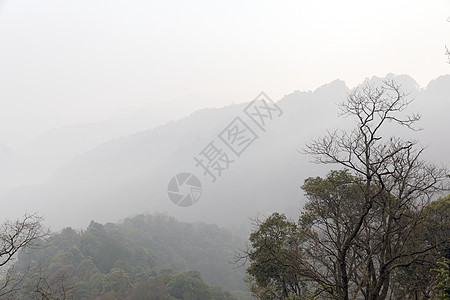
140	250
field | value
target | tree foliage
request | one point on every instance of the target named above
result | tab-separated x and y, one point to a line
275	250
145	257
443	287
369	221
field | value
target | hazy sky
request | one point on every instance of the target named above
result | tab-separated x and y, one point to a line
66	62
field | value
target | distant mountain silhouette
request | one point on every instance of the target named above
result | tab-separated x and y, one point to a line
12	168
129	175
56	147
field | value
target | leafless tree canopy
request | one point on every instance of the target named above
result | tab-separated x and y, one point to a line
16	236
360	224
20	234
58	286
35	283
447	51
395	185
393	164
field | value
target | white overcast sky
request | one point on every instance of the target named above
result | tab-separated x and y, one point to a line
66	62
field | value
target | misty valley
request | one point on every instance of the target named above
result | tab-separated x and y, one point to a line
283	221
224	150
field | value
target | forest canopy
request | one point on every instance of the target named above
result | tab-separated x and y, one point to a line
145	257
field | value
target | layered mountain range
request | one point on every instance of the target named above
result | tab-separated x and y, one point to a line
129	175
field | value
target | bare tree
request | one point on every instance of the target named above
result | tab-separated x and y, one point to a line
57	286
19	235
34	282
363	224
393	186
447	51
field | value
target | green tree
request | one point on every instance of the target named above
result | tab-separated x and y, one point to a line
329	221
443	287
189	286
273	256
394	186
109	251
416	280
155	288
86	269
117	281
364	223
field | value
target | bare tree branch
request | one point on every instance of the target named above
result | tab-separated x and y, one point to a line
19	235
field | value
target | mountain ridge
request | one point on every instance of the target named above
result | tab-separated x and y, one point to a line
130	175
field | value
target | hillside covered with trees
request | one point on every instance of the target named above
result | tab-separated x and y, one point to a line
145	257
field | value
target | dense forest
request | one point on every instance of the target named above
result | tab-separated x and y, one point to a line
144	257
